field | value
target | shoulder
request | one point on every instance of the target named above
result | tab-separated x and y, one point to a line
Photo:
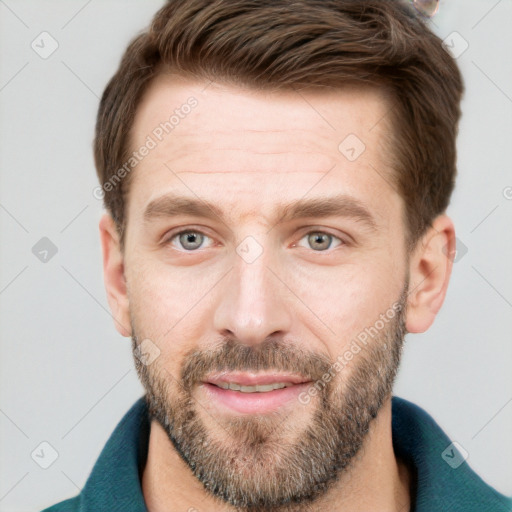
444	479
69	505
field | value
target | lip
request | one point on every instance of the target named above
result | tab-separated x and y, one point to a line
255	379
231	401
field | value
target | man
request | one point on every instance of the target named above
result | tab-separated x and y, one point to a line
276	176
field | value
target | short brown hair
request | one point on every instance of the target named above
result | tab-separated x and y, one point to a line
265	44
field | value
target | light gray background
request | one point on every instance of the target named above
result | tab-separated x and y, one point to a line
67	377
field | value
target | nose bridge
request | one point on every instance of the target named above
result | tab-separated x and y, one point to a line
251	306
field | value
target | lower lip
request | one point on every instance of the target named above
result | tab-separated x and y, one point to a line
253	403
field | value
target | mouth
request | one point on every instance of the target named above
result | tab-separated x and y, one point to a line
264	388
249	393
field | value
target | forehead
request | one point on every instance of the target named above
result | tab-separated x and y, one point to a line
254	148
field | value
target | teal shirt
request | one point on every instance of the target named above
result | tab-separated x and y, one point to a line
444	481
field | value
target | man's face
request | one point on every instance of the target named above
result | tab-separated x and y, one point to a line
257	295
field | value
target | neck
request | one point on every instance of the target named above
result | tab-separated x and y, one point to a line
376	479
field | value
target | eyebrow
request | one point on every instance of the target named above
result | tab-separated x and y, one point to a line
340	205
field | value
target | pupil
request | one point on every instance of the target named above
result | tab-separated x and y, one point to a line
320	239
189	238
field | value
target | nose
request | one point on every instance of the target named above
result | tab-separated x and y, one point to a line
252	305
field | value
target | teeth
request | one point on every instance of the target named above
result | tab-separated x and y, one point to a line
254	389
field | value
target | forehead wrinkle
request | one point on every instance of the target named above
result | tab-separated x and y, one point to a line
235	160
314	149
256	171
304	139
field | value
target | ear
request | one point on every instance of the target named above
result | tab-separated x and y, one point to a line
113	275
430	269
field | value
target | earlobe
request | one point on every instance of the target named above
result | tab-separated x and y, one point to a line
430	268
113	275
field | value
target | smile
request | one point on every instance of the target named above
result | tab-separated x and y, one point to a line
248	393
254	389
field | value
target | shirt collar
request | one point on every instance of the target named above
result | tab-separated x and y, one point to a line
115	481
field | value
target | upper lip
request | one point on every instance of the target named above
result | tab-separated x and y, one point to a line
255	379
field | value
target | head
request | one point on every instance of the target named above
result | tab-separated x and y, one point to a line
276	177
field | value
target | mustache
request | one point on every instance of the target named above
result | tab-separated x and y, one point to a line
270	355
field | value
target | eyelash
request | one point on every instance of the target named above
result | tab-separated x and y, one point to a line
168	239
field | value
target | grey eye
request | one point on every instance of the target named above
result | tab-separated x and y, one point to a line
319	240
191	240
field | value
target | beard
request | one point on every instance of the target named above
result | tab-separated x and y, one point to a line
270	462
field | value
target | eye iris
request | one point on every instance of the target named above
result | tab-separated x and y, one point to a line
317	237
190	237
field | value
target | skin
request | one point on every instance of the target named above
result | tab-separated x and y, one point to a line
247	152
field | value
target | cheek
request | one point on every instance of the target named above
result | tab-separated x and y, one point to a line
342	301
167	304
